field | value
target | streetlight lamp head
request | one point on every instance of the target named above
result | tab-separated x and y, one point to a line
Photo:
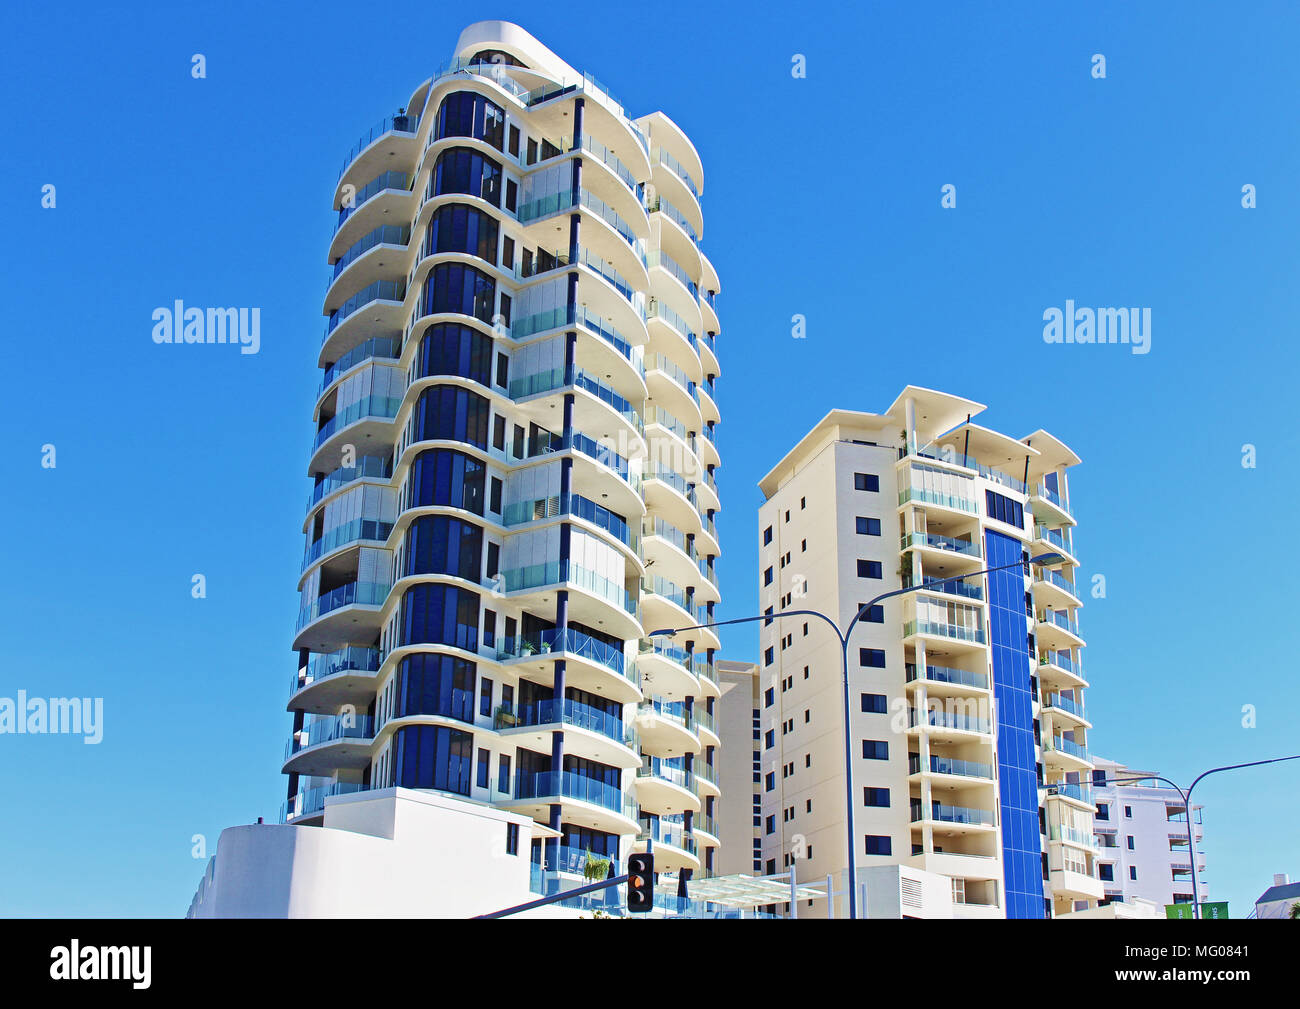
1042	559
665	632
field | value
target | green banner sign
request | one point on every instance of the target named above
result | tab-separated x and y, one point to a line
1219	909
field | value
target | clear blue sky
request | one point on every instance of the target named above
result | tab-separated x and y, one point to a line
821	198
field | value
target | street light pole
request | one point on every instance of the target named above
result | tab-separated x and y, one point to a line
843	636
1187	804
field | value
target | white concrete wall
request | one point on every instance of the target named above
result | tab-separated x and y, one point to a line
392	853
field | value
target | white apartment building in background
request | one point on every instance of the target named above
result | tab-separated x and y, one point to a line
968	730
1141	831
513	480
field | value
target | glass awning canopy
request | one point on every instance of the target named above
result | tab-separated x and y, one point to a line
744	891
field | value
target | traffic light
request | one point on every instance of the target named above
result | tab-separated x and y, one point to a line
640	883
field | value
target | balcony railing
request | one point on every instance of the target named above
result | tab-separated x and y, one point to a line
322	665
380	290
948	720
396	181
1073	790
573	860
376	407
571	642
1072	835
933	497
1063	745
556	572
1062	620
952	588
944	674
1043	491
350	532
950	765
353	593
1062	660
676	167
1062	540
385	347
1055	700
659	831
400	123
385	234
953	814
964	547
966	462
666	769
312	800
567	712
570	785
957	632
578	506
1057	579
330	729
367	466
673	711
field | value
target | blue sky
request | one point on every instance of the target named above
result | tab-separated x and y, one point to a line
822	198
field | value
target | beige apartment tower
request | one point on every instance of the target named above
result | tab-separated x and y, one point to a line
968	736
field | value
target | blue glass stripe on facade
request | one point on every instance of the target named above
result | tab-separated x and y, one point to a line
1017	775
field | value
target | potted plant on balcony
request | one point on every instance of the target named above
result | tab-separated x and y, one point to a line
595	869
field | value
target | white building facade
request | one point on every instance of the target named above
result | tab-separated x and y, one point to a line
1141	830
967	726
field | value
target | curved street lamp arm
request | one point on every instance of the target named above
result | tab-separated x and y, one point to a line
1233	767
670	631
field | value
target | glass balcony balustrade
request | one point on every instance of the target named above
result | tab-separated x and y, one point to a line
356	531
400	123
330	729
380	290
945	674
370	407
948	720
952	588
951	765
368	466
957	632
312	800
385	181
376	348
387	234
567	712
571	642
965	547
323	665
944	813
353	593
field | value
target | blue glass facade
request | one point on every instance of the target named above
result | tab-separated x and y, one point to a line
1017	775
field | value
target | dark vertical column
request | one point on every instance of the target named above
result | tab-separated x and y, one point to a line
299	717
566	471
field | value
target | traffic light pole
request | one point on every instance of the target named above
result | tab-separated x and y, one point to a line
555	897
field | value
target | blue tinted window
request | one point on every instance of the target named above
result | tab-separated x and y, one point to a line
872	658
429	684
429	756
1017	774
